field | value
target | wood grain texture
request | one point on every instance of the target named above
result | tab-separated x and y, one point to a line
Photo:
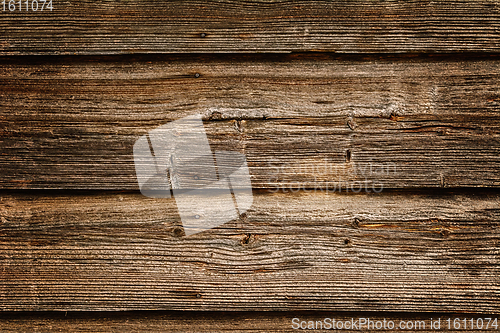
139	26
188	321
302	121
394	251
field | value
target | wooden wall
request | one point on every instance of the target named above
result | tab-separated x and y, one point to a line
402	96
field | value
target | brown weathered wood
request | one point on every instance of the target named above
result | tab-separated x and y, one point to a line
186	321
301	120
393	251
117	27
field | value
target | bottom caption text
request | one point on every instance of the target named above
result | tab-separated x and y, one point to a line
403	325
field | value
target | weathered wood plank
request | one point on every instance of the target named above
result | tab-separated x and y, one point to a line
394	251
301	120
138	26
187	321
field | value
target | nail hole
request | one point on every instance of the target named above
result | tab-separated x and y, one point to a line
178	231
246	240
347	241
394	116
351	124
216	115
237	125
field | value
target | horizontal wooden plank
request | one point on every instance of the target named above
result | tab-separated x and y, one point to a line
188	321
393	251
139	26
303	121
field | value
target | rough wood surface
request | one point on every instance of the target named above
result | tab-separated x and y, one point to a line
394	251
79	85
139	26
185	321
300	119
